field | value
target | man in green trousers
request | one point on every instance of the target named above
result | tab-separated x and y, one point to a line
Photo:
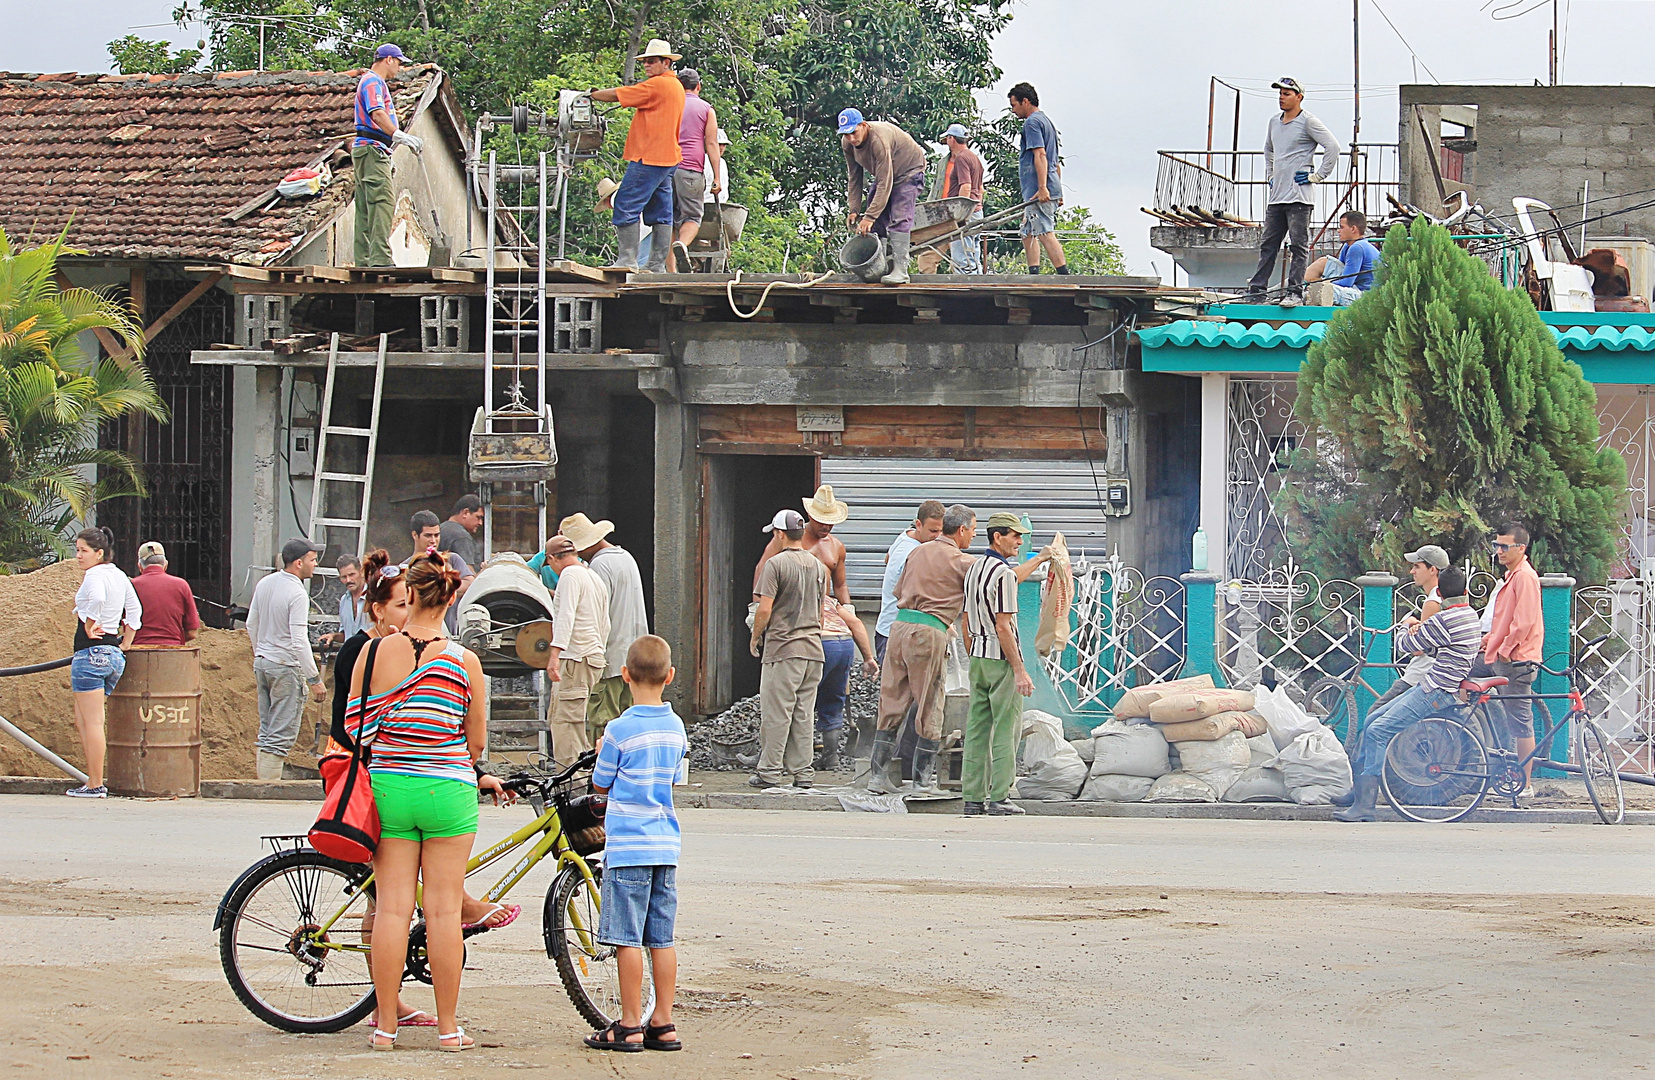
377	134
999	681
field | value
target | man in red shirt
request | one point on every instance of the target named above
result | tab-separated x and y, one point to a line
170	618
1513	645
652	156
963	178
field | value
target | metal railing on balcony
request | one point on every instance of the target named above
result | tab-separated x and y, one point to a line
1233	186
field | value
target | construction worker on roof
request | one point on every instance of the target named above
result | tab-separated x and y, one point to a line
897	165
652	157
377	134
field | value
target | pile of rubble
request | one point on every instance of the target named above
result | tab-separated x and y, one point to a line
725	742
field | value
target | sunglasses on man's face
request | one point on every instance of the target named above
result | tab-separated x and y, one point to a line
1505	547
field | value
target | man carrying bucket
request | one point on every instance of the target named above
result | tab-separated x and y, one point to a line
897	165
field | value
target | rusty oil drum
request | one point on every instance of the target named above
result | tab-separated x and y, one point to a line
154	723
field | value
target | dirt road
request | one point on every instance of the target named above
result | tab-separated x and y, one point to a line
911	947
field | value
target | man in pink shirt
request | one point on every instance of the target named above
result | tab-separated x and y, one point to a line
1516	638
698	143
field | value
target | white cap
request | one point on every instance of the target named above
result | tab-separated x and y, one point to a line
786	521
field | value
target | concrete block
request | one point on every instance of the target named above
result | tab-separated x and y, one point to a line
1632	113
1622	133
1565	155
1585	135
1606	157
1540	135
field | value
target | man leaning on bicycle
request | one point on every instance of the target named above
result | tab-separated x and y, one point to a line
1451	638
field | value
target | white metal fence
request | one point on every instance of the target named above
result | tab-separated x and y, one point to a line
1129	630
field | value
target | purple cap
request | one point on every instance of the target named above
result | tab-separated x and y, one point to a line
388	50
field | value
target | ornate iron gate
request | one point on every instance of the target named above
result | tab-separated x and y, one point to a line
1128	631
187	460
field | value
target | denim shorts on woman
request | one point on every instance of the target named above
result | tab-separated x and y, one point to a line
96	668
423	808
640	906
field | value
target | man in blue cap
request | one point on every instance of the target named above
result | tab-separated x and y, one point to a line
898	167
377	134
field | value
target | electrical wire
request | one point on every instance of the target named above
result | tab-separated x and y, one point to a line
1404	41
1080	413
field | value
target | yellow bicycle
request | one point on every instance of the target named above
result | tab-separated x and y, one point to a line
291	928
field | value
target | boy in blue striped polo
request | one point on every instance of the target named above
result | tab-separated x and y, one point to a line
641	755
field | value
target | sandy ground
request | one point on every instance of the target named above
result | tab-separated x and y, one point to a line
906	947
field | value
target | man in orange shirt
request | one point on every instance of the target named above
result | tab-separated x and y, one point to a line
652	156
1516	638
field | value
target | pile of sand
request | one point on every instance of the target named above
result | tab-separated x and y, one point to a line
37	611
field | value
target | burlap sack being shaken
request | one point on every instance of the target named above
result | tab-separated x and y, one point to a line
1056	599
1199	704
1135	703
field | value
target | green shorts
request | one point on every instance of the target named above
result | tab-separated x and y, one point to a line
420	808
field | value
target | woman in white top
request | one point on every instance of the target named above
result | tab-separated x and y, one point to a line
107	614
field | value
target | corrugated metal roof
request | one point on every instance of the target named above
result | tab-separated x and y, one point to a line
883	494
1614	338
1236	335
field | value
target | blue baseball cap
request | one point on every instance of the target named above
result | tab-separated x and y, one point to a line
388	50
848	121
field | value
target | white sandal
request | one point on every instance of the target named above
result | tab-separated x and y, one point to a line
373	1040
458	1038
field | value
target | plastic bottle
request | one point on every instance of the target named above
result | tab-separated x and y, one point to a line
1027	547
1198	549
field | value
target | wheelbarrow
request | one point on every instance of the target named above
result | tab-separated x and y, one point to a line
935	232
721	225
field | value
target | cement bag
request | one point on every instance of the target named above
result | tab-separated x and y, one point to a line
1129	750
1084	748
1251	723
1198	704
1315	767
1219	762
1055	770
1111	788
1258	784
1136	702
1262	749
1285	719
1180	787
1207	730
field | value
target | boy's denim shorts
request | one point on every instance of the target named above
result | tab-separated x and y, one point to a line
96	668
639	906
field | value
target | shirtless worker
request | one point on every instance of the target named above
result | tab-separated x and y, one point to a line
840	625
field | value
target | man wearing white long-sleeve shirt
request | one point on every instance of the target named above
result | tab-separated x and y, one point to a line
580	635
1290	145
278	621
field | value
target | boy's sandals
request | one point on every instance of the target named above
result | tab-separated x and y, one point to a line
614	1037
653	1037
511	912
373	1040
455	1041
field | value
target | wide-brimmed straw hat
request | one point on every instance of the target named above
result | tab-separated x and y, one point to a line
825	508
606	188
579	528
657	47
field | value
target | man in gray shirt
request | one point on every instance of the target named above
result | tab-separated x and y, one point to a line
1289	152
459	532
278	621
628	619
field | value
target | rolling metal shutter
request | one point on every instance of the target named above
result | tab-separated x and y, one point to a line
883	493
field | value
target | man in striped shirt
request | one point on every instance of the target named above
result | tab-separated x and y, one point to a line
998	677
1451	637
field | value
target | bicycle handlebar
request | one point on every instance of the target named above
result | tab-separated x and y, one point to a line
518	782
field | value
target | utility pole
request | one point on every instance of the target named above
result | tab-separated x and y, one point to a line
261	44
1356	81
1553	42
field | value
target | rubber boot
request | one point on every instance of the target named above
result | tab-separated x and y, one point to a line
899	259
925	766
270	766
879	766
628	238
831	758
660	243
1362	807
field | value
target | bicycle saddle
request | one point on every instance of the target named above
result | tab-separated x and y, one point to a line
1482	686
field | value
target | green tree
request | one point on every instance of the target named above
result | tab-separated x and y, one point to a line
53	396
1444	408
1088	247
132	55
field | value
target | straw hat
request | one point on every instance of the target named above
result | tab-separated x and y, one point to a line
825	508
657	47
606	188
579	528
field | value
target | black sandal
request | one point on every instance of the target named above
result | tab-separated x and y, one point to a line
653	1040
618	1034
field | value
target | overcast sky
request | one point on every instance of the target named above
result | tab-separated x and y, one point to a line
1125	78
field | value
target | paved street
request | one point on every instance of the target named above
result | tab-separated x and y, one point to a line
907	946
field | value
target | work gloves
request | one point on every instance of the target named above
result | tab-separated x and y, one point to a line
412	142
1304	176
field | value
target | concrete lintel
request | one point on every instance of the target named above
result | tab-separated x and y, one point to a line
318	358
659	385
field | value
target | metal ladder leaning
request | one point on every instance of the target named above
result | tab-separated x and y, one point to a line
327	431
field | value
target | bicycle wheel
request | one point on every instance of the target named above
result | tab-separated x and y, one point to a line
277	959
588	970
1435	770
1333	701
1597	768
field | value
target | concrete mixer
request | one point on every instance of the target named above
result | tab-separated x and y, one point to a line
506	617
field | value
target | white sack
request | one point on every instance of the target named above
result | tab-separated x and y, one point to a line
1263	751
1218	763
1129	750
1084	748
1287	721
1055	771
1109	788
1180	787
1258	784
1315	767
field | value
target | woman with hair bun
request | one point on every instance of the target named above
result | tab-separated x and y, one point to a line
420	713
107	614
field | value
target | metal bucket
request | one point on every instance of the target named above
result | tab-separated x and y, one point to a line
154	723
865	256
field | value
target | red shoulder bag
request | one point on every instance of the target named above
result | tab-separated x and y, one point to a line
347	829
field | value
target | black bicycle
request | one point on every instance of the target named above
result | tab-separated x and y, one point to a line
1442	768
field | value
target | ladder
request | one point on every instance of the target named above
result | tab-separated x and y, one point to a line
350	484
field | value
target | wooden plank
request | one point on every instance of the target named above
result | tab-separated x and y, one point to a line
173	312
246	273
448	273
896	431
577	271
324	273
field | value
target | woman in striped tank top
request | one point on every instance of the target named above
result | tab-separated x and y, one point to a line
425	732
